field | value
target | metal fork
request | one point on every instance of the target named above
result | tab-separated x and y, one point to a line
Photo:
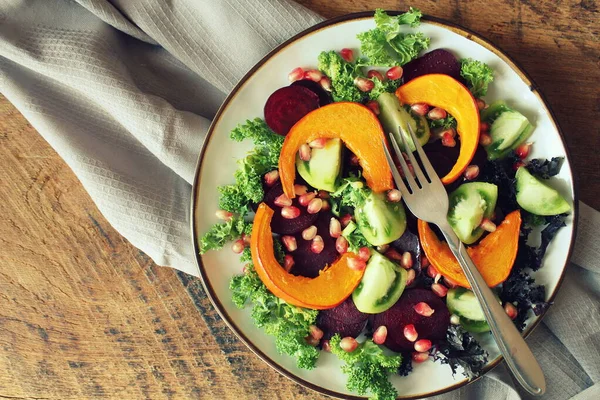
427	199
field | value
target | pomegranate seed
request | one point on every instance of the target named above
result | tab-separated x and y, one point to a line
423	309
238	246
374	74
392	254
485	139
296	74
394	73
364	84
394	195
335	228
246	238
407	261
518	165
356	264
317	245
224	215
318	143
306	198
410	277
484	127
272	177
423	345
420	109
312	341
289	242
437	278
347	54
341	245
299	190
450	283
382	248
325	83
309	233
432	271
437	113
288	262
323	194
487	225
511	310
439	289
326	346
325	205
354	159
315	332
424	261
410	333
419	357
455	319
290	212
364	253
314	206
471	172
345	220
480	104
313	75
283	201
348	344
380	335
304	152
448	140
373	106
523	150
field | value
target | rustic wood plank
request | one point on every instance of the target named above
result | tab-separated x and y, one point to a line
84	314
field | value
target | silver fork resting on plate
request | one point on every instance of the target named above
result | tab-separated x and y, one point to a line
427	199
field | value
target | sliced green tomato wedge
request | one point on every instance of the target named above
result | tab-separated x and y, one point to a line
469	204
380	221
394	117
323	168
538	197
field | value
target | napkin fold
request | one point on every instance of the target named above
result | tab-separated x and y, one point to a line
125	90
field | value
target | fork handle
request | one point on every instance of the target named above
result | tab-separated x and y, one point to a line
517	354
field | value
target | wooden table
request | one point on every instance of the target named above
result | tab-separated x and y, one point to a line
84	314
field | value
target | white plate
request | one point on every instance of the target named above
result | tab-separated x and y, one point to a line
217	164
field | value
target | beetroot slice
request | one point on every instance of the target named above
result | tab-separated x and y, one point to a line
282	225
324	96
402	313
307	263
435	62
409	242
288	105
344	319
346	312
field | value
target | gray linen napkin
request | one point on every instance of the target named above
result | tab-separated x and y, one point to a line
124	91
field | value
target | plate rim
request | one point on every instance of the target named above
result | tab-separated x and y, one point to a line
456	28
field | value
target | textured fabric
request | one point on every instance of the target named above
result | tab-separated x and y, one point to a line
125	90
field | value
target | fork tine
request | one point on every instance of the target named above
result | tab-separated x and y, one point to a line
418	171
433	176
397	178
412	184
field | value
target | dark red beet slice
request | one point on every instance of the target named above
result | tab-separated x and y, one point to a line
409	242
282	225
344	319
346	312
438	61
307	263
324	96
402	313
288	105
442	158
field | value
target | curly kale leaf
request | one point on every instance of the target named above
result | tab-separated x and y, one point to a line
545	169
219	234
502	174
383	87
444	123
461	350
368	368
352	192
477	74
520	290
342	75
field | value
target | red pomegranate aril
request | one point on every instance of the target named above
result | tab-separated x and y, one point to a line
354	160
335	228
296	74
309	233
437	113
364	84
518	165
432	271
289	242
341	245
410	277
288	262
471	172
345	220
394	73
224	215
407	260
480	104
323	194
348	344
318	143
290	212
283	201
238	246
299	190
313	75
325	83
423	345
373	106
306	198
523	150
312	341
487	225
393	254
272	177
439	289
485	139
448	140
374	74
314	206
325	206
484	127
424	261
419	357
410	333
304	152
420	109
246	238
380	335
364	253
315	332
423	309
317	245
394	195
326	346
347	54
356	264
511	310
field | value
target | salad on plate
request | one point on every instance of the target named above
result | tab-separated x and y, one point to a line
333	261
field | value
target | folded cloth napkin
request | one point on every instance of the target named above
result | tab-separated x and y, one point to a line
125	90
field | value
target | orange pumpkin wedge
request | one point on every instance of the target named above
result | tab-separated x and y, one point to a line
494	256
356	126
445	92
333	285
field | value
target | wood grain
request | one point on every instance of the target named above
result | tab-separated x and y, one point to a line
84	314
